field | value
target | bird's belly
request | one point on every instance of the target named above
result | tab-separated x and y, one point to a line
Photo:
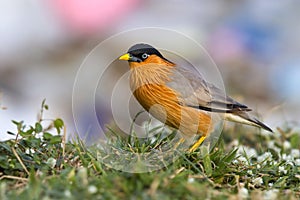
163	103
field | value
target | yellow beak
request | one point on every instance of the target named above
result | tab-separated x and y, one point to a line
125	57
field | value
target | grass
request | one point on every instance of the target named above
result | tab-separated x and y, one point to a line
243	164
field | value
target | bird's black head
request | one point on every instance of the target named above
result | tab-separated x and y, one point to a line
140	52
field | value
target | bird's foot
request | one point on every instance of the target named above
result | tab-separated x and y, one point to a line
197	144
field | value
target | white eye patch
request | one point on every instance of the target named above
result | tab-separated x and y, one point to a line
144	56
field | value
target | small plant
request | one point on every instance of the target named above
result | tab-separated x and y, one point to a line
27	151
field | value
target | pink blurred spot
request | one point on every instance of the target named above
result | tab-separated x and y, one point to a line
89	16
226	44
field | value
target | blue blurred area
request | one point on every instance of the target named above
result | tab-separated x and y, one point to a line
254	43
259	40
286	80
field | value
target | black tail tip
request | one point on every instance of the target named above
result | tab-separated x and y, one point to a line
263	126
268	129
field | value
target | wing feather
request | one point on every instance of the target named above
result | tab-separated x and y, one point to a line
194	91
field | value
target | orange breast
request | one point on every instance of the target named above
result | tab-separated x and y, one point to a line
148	86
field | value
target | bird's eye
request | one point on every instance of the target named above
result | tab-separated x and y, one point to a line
144	56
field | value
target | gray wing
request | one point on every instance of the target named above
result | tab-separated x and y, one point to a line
195	92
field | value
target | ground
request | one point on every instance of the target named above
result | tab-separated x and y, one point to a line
245	163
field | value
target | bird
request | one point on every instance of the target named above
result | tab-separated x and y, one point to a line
180	98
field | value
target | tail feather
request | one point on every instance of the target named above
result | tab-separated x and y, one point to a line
244	118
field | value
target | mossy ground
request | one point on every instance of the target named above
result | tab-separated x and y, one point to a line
244	164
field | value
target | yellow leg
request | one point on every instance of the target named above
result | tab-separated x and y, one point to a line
197	144
179	142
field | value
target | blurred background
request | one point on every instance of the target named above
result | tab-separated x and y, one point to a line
254	43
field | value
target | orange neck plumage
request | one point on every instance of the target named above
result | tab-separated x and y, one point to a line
154	70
